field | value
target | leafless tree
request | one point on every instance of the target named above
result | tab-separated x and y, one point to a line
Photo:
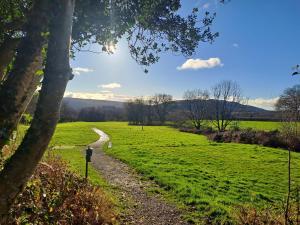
196	106
289	102
289	106
227	96
161	103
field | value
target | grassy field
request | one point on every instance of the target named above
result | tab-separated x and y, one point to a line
260	125
76	136
73	139
209	177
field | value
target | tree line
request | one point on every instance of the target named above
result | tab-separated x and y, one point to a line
198	106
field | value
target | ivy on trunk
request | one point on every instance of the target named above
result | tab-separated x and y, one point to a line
21	165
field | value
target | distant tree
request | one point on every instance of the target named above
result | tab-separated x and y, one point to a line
227	96
178	117
196	106
161	103
136	111
289	102
67	113
112	113
91	114
149	112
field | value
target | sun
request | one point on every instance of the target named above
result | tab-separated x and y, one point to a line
111	47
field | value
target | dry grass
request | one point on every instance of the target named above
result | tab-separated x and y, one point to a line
54	195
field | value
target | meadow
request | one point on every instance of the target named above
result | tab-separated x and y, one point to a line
209	179
260	125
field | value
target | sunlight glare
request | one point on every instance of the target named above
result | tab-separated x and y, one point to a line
111	47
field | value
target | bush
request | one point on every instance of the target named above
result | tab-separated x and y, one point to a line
251	215
54	195
272	139
217	137
273	215
247	136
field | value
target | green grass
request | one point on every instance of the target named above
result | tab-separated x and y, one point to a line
257	125
76	136
78	133
76	161
209	177
260	125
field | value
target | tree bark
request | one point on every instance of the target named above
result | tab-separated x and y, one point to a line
14	90
22	164
7	52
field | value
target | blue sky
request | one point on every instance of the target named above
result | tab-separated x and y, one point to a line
257	47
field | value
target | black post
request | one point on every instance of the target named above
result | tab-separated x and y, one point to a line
86	168
88	155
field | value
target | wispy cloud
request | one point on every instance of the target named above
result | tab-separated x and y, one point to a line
79	70
197	64
98	96
206	6
105	91
236	45
265	103
110	85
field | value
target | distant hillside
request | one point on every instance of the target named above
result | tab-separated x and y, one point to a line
78	104
242	112
238	107
245	112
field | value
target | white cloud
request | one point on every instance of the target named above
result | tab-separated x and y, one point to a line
79	70
98	96
105	91
236	45
206	6
196	64
265	103
110	85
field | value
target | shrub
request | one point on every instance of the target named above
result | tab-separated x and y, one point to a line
272	215
250	215
272	139
54	195
217	137
247	136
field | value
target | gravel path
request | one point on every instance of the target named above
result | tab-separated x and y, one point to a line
143	208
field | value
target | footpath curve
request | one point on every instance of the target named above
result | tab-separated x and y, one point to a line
142	208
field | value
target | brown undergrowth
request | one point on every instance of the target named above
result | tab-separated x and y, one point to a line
55	195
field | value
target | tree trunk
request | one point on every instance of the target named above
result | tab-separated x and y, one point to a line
14	90
22	164
7	52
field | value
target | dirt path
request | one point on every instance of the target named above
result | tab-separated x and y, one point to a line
143	208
